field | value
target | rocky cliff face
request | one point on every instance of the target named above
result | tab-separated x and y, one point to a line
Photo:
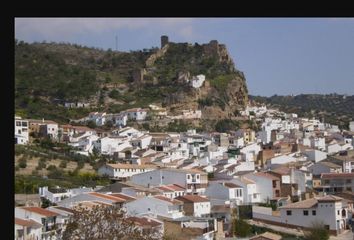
224	90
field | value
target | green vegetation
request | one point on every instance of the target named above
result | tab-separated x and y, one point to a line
22	163
30	184
242	228
225	125
221	82
317	232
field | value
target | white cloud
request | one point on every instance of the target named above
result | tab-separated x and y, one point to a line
61	29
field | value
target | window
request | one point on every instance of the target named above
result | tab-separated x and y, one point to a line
306	213
349	188
349	181
188	176
24	124
18	124
326	181
150	178
163	177
197	176
149	209
274	184
240	192
19	131
313	212
338	212
288	212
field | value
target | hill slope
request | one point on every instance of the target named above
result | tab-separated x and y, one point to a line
50	73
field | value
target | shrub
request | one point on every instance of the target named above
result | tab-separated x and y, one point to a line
317	232
63	164
22	163
51	167
242	228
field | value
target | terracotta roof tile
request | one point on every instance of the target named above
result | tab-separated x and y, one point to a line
131	166
27	223
231	185
41	211
192	198
107	197
336	175
173	201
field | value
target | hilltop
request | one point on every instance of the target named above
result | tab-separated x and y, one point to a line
49	74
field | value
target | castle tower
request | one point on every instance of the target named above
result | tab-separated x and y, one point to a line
164	40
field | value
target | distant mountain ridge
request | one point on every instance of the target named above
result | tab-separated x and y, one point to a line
334	108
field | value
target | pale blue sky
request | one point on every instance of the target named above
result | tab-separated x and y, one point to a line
277	55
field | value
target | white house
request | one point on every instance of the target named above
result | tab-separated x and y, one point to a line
315	155
21	131
329	209
85	144
333	148
99	118
136	114
191	179
325	167
110	145
279	160
120	171
27	229
195	205
46	217
120	120
57	194
52	130
172	190
155	205
226	191
141	142
250	191
268	186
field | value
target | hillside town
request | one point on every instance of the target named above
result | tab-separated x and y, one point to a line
286	176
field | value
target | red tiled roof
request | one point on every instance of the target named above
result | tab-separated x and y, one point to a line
192	198
144	221
123	196
41	211
267	175
131	166
176	187
231	185
173	201
27	222
106	196
337	175
65	209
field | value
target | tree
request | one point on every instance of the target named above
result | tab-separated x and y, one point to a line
317	232
91	124
242	228
102	222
